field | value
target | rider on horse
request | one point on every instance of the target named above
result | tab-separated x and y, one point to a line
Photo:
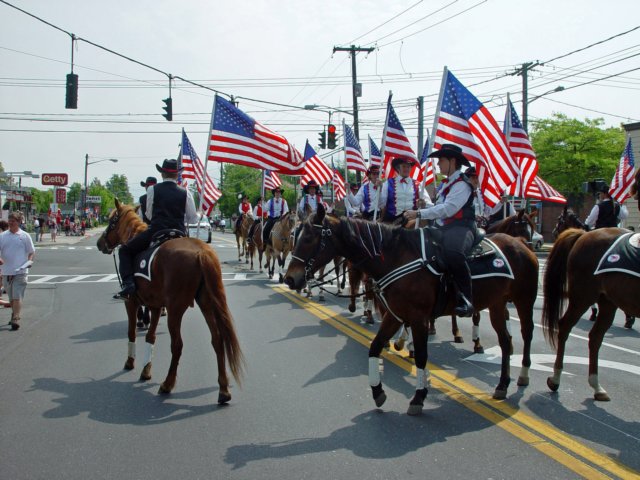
258	213
401	193
168	205
350	209
366	196
276	207
478	199
244	207
607	212
310	198
455	215
143	199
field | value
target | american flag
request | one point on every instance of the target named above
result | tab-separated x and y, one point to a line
418	172
352	150
193	169
314	168
521	151
238	138
623	178
338	185
394	141
463	120
541	190
375	158
271	180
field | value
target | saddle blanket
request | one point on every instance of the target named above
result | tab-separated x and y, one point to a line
491	263
623	256
143	263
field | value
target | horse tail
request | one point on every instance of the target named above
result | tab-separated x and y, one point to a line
555	282
214	293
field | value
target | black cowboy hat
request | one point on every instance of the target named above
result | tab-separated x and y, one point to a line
280	189
170	165
471	172
312	183
398	160
603	188
448	150
373	169
148	182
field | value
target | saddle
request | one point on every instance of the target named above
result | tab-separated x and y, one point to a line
143	260
622	256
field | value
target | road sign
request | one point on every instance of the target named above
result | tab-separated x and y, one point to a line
94	199
61	195
56	179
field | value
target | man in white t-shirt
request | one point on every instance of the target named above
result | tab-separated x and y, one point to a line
16	256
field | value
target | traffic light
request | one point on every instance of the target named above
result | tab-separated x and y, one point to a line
168	108
71	100
331	138
322	139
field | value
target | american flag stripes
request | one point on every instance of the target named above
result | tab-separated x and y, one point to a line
463	120
352	150
271	180
394	141
193	169
375	158
314	168
521	151
238	138
623	178
338	185
418	172
541	190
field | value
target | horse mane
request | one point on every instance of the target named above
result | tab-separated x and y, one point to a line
505	224
129	224
359	234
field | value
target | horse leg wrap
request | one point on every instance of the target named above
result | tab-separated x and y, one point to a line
131	351
508	324
148	353
422	378
374	371
557	372
475	332
595	384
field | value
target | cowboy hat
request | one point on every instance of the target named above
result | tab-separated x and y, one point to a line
354	187
398	160
312	183
170	165
279	189
373	169
148	182
448	150
603	188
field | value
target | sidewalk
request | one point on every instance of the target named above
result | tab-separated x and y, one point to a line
64	240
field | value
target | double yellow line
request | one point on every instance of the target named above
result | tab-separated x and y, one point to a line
548	440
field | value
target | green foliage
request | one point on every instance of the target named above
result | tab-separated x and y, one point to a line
571	151
42	199
119	187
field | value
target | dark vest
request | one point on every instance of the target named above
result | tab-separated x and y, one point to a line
467	213
169	204
608	212
143	208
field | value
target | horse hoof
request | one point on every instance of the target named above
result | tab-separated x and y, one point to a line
378	395
629	322
398	345
523	381
458	339
145	375
414	410
601	397
479	349
499	394
164	390
432	331
553	386
280	278
130	363
140	324
223	398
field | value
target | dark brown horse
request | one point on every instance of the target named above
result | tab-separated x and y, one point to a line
184	270
567	219
411	299
569	272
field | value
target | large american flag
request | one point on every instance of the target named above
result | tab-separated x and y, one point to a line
418	172
541	190
238	138
352	150
623	178
314	168
463	120
194	170
521	151
375	158
338	185
271	180
394	141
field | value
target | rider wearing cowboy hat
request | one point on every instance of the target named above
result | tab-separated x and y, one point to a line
365	197
168	206
401	193
276	207
455	215
478	200
310	198
607	212
350	209
143	199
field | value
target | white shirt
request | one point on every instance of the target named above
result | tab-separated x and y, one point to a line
595	211
349	208
15	250
280	207
36	223
404	194
358	200
447	207
311	200
190	214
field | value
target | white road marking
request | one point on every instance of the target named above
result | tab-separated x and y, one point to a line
42	279
77	278
112	277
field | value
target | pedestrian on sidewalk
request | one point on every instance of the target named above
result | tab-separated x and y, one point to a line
16	256
4	226
53	229
36	227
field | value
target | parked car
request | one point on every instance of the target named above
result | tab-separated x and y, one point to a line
204	233
537	240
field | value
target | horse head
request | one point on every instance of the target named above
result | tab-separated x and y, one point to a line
123	224
314	248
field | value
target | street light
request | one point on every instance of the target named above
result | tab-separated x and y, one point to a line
526	102
86	164
557	89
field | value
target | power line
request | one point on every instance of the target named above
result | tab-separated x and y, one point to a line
593	44
385	22
590	109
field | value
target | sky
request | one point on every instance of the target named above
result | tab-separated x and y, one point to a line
281	52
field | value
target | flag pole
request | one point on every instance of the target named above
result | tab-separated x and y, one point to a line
344	150
382	164
206	161
262	204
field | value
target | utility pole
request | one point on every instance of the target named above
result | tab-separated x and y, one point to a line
355	87
524	72
420	126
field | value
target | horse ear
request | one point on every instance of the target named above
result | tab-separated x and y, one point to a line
520	214
320	213
564	210
117	204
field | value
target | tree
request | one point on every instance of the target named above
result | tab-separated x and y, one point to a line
42	199
571	152
119	187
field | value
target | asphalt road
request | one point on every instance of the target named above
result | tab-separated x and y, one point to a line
69	410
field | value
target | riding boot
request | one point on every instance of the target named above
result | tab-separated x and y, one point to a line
462	279
126	272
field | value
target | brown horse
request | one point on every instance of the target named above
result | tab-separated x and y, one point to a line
567	219
171	287
255	243
279	244
569	272
411	299
242	232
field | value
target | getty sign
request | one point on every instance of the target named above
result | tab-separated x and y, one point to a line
55	179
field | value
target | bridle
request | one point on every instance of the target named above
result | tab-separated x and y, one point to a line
325	233
113	223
